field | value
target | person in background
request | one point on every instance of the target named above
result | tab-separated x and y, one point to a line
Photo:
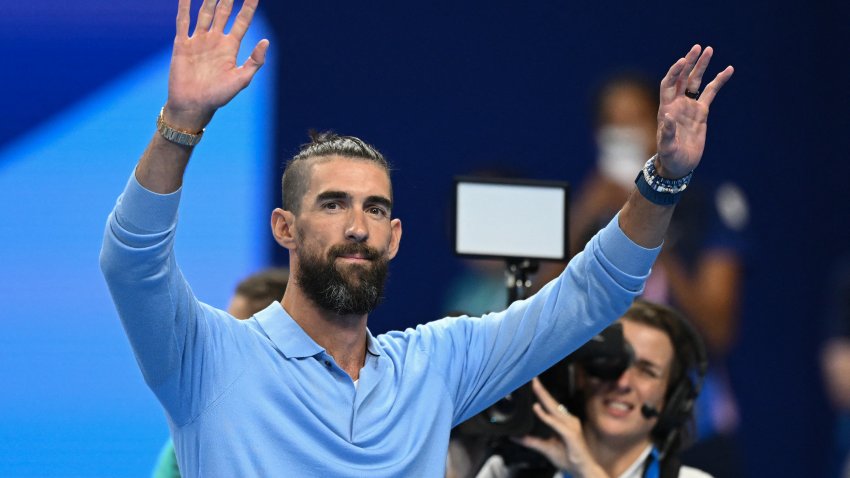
631	427
835	364
257	291
252	295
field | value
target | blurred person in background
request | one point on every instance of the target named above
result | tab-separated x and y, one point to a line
252	295
835	362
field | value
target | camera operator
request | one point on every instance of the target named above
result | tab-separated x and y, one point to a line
629	427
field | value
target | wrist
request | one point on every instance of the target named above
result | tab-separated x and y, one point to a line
186	119
659	189
180	135
665	173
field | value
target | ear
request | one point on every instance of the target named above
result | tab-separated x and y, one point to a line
283	228
395	237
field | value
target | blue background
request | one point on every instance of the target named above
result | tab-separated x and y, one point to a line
442	88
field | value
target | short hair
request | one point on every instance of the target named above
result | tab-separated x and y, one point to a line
625	79
686	369
264	287
296	176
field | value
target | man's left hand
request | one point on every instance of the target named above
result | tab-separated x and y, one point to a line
682	118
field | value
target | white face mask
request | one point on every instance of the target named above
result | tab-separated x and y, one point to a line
622	151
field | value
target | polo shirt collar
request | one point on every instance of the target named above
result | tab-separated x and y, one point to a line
292	341
372	345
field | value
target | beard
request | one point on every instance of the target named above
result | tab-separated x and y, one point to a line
350	289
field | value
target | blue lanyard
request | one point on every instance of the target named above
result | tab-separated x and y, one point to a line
652	468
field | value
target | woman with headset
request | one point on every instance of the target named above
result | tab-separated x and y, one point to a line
630	427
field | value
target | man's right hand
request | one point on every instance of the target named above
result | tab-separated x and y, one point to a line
204	75
203	78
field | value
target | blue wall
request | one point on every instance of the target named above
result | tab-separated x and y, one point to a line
73	402
442	88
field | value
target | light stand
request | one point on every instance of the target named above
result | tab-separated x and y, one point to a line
516	276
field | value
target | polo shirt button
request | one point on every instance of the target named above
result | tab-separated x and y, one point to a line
327	363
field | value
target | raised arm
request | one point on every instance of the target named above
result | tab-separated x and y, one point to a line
176	339
203	77
682	117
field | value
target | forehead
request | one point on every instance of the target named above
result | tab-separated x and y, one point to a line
627	104
358	177
649	343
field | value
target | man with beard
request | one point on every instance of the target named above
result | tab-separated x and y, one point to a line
302	388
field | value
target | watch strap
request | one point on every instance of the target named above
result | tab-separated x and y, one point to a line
177	136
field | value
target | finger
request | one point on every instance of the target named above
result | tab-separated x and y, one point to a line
690	61
544	415
554	422
255	61
712	88
205	16
183	15
546	399
222	14
695	78
243	19
668	83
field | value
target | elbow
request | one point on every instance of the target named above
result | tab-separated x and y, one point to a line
108	266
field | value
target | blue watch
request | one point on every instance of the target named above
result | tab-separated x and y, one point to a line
659	190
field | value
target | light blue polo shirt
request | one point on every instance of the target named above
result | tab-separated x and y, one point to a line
260	398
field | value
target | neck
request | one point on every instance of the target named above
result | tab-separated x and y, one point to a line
342	336
614	455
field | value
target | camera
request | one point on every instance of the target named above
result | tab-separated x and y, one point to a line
605	356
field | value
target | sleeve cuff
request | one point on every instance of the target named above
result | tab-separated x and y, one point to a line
142	210
623	253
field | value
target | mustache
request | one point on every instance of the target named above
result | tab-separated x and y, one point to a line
351	248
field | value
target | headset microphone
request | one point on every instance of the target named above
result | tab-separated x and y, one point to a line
648	411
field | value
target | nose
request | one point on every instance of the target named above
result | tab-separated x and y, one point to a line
624	382
357	229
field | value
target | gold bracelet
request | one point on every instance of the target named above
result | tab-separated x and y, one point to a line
184	138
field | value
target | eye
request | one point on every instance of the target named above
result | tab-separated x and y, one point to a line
377	211
649	372
331	206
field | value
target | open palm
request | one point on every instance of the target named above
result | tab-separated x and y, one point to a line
682	118
204	75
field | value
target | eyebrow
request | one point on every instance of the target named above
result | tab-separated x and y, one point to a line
324	196
380	201
342	195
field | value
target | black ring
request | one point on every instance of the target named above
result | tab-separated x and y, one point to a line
694	95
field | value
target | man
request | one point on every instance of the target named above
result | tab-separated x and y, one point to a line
632	426
303	388
252	295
